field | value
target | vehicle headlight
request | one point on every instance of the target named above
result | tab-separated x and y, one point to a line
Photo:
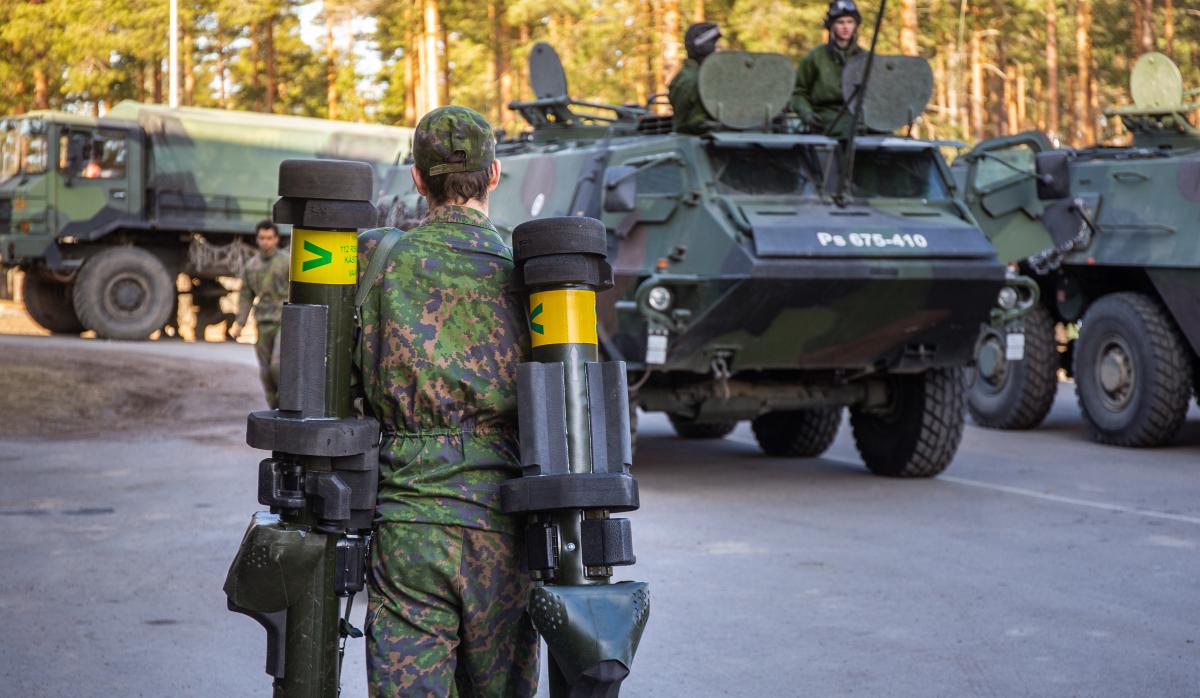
1007	298
659	299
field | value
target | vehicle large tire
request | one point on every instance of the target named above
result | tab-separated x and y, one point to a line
50	304
124	293
688	428
1019	394
1133	374
918	434
797	433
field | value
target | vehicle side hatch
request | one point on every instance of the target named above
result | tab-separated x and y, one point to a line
1019	190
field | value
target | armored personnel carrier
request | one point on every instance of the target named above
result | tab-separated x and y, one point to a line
1112	237
759	277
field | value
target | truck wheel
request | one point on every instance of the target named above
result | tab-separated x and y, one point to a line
918	434
688	428
49	304
797	433
1133	375
124	293
1016	394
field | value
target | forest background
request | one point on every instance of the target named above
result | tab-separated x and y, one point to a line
999	67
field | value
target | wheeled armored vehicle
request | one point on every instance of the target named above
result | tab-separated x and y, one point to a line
760	275
1112	237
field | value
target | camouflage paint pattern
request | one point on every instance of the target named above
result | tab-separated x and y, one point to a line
264	290
186	170
442	334
453	139
446	615
264	287
1144	202
799	313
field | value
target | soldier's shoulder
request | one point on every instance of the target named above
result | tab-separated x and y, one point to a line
816	53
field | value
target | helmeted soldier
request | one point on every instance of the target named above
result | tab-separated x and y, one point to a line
818	97
688	113
265	289
443	328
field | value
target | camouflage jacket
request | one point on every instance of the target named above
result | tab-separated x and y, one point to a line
442	332
688	113
817	96
264	278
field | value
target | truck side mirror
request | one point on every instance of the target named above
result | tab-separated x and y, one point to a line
1053	175
620	189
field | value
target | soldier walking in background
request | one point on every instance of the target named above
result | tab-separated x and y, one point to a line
443	330
818	97
688	113
264	289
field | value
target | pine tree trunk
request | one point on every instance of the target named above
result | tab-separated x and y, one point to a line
156	76
1169	28
222	94
1010	100
272	87
431	69
445	65
1051	100
977	93
331	91
41	88
1084	125
1022	98
1145	39
672	36
410	79
698	11
189	67
908	27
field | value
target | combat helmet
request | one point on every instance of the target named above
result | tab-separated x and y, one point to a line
841	8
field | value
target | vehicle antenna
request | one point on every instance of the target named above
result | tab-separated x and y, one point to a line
860	93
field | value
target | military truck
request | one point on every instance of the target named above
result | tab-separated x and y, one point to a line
748	287
1112	237
101	214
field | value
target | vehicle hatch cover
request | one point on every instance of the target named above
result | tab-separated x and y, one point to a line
745	90
902	87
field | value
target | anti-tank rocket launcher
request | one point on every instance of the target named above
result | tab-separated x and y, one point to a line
576	454
299	560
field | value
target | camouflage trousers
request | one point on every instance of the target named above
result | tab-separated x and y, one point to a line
266	349
446	615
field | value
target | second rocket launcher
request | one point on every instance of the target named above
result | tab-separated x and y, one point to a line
576	453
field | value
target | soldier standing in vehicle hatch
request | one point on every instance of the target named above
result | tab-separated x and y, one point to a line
688	113
265	289
443	328
818	97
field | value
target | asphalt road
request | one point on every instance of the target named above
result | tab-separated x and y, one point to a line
1040	564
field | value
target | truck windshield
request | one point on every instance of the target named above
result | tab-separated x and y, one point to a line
10	157
897	174
34	147
755	172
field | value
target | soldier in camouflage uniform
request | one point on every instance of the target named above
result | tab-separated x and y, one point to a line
265	288
443	329
687	112
817	97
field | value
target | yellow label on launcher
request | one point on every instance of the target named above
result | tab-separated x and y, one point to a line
324	257
562	317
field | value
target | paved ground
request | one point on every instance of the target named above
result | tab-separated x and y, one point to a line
1039	565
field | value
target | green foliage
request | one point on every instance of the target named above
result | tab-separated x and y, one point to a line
83	55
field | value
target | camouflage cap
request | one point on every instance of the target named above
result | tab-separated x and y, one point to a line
453	139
